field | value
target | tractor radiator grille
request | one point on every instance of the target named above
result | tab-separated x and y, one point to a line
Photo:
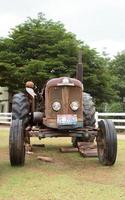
65	95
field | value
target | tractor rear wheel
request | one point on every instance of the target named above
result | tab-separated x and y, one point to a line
16	143
20	107
107	142
20	119
88	116
88	110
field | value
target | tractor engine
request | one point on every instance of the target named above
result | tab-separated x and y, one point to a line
63	103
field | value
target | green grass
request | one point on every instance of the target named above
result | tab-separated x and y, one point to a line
70	177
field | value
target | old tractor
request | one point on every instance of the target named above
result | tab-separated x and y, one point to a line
67	111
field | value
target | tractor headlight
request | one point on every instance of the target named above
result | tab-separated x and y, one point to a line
56	106
74	105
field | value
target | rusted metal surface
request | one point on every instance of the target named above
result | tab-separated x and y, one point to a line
55	81
87	149
33	105
52	123
65	94
49	132
79	68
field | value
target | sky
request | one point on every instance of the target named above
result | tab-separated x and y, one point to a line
99	23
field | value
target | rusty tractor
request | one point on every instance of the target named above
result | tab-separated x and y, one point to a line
67	111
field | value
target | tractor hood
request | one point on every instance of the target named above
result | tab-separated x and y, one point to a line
64	81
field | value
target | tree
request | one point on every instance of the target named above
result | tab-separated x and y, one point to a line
37	48
97	76
40	49
118	69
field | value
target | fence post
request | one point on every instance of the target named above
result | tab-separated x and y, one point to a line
96	118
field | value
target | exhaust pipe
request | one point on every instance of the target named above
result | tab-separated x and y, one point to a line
79	68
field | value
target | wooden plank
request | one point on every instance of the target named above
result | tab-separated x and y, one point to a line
68	149
87	149
88	152
29	152
45	159
38	145
87	145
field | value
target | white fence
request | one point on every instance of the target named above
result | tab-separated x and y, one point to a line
117	118
5	118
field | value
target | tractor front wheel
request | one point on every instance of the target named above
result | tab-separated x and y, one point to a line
106	142
16	143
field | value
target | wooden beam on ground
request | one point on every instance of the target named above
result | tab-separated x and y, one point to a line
87	149
45	159
86	145
38	145
88	152
68	149
29	152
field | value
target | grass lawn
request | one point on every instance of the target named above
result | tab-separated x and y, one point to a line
70	177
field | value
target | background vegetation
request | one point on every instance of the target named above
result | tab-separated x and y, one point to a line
40	49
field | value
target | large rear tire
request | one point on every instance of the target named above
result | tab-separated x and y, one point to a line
107	142
88	117
20	107
88	110
20	119
16	143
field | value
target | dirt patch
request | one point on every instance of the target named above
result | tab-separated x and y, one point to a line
121	136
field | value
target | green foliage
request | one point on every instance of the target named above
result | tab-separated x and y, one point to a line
97	77
116	106
8	76
40	49
118	69
36	69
